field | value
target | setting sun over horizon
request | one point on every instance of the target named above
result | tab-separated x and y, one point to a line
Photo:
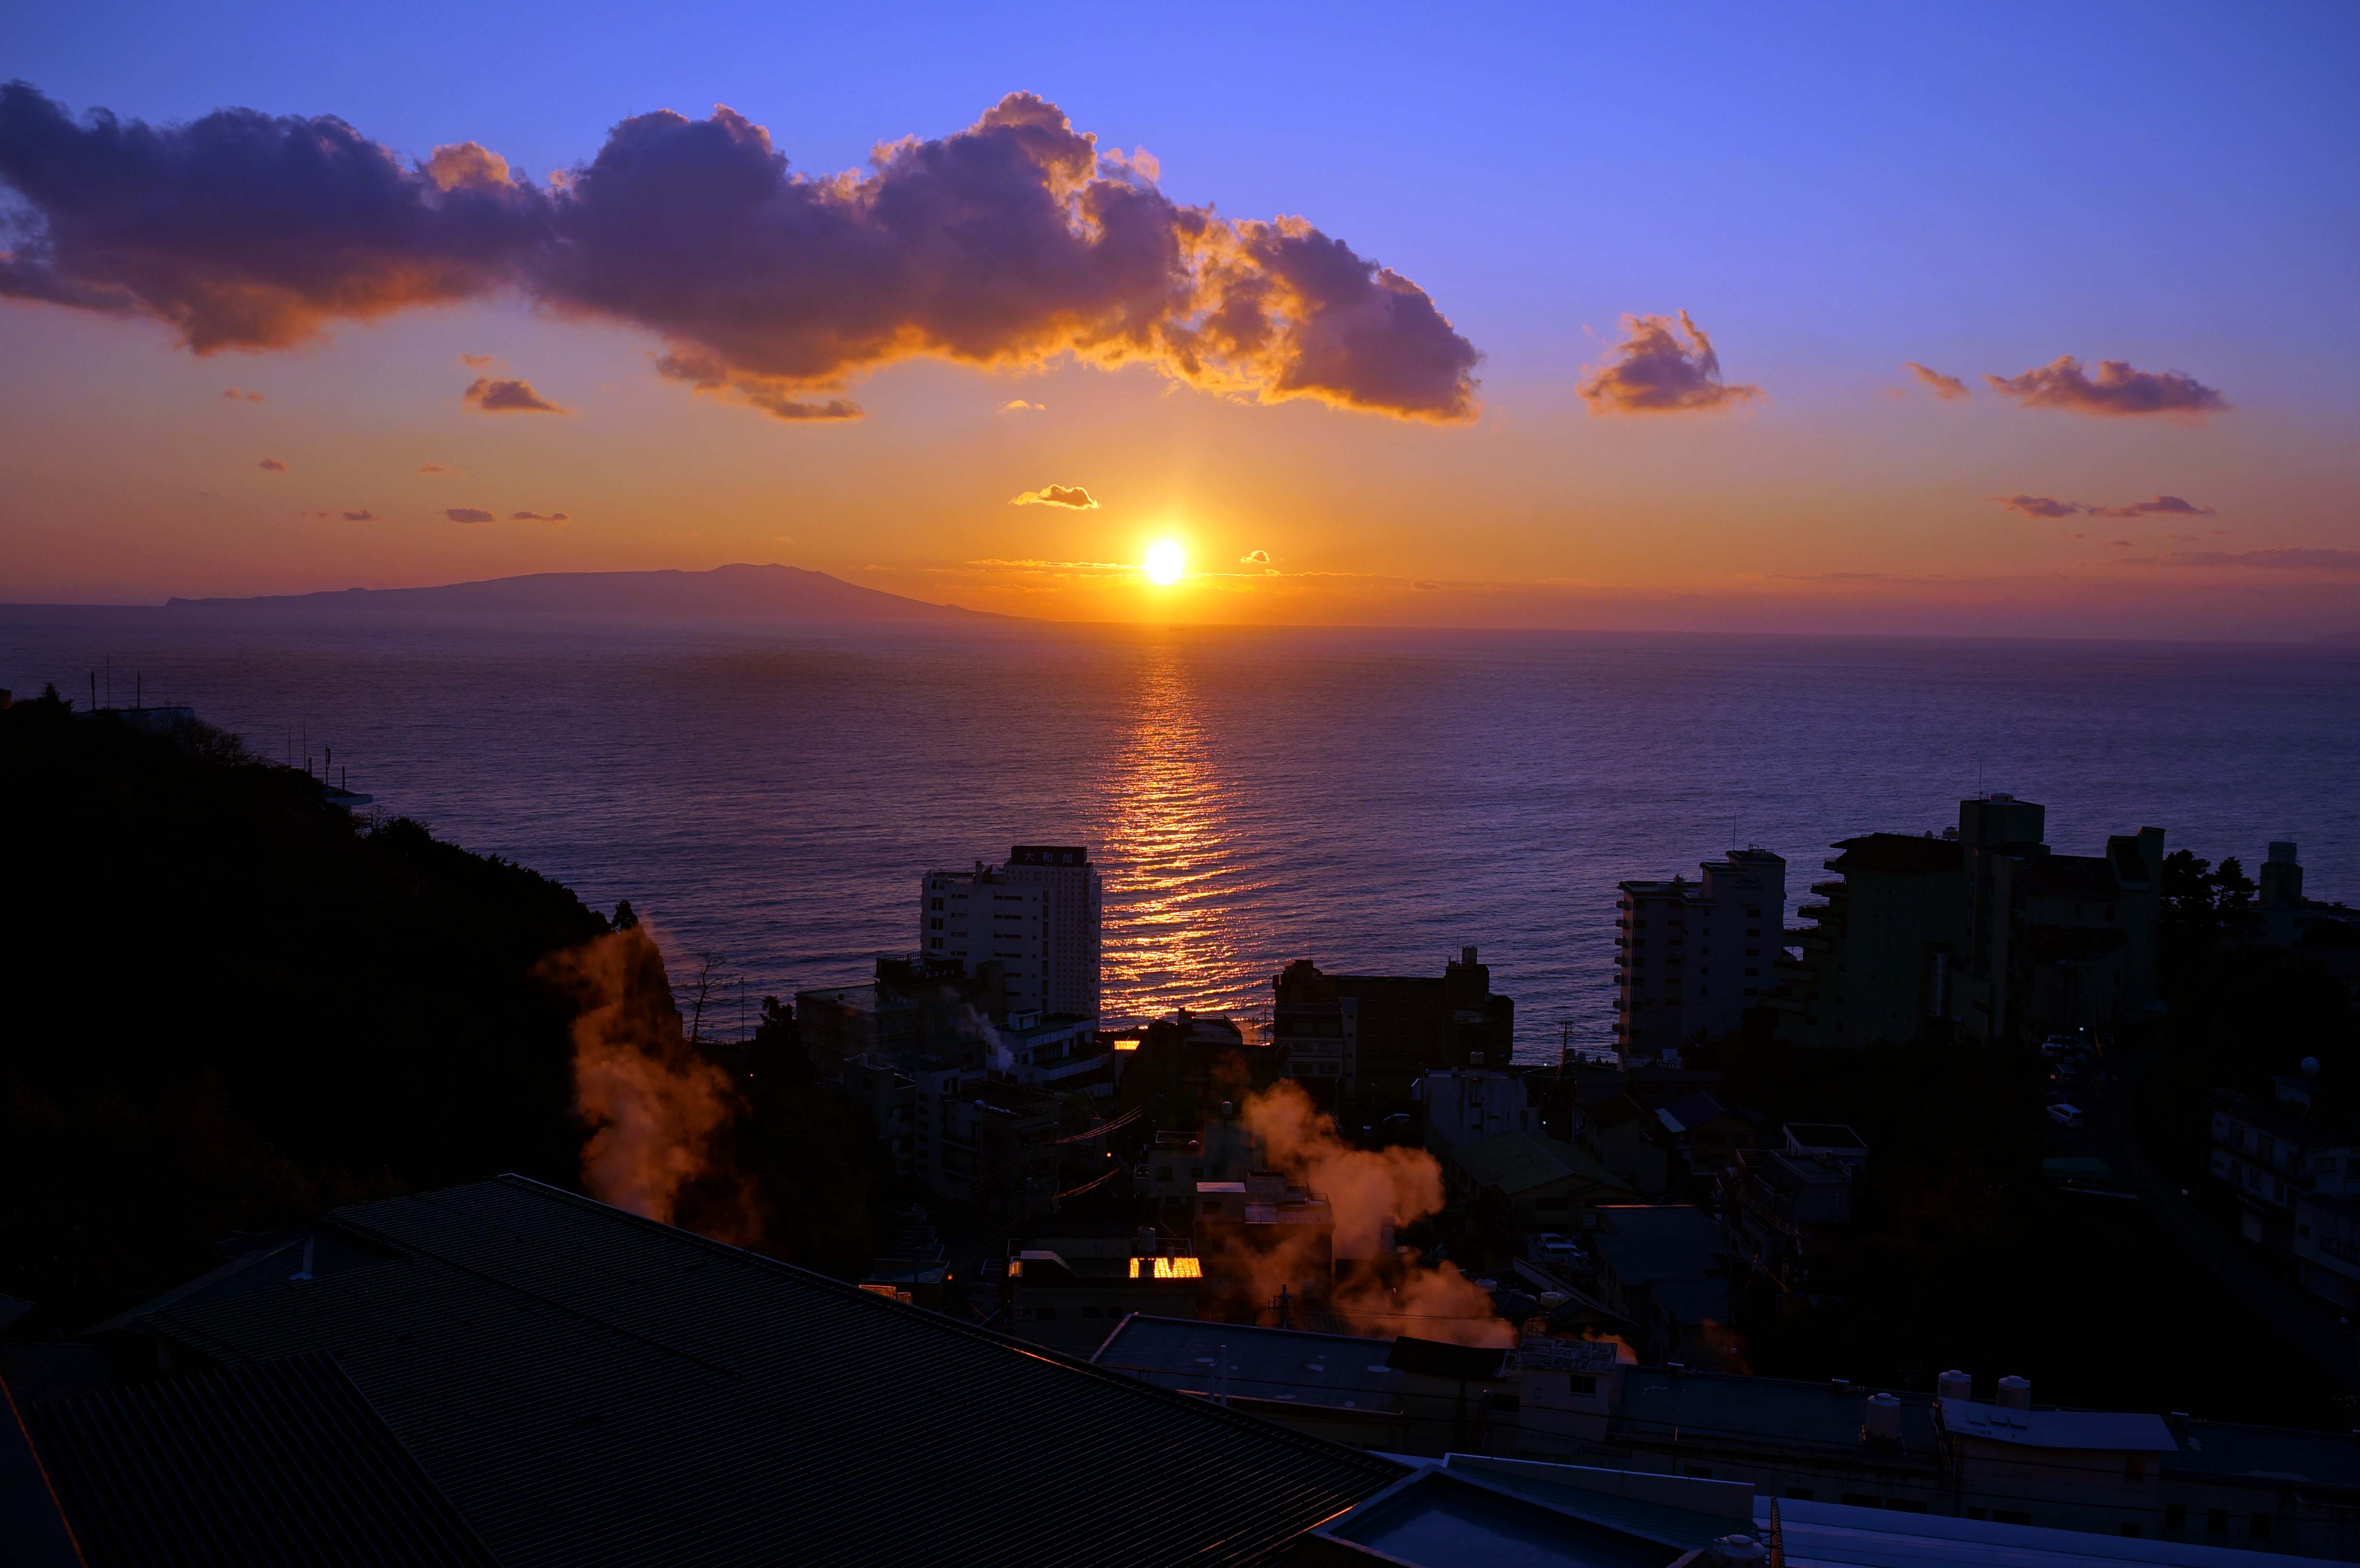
1166	562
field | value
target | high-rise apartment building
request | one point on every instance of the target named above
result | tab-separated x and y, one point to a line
1695	955
1038	914
1983	932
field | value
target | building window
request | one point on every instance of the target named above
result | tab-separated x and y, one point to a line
1798	1494
2216	1521
1698	1472
2010	1516
1043	1315
1580	1384
2258	1527
2175	1516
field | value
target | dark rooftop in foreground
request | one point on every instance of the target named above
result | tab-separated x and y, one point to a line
275	1462
589	1388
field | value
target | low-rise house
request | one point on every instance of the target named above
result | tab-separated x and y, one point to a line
1534	1184
1401	1396
1788	1213
1069	1292
2272	1153
2327	1247
1471	1102
1624	1136
984	1139
1664	1267
1706	1138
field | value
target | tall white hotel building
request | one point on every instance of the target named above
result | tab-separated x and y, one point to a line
1038	915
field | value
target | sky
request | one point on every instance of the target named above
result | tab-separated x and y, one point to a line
1568	315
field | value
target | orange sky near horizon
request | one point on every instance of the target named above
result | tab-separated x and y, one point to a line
132	477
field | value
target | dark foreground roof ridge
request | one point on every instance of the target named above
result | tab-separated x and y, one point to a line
595	1390
864	1300
274	1461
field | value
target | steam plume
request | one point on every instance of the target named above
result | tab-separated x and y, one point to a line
654	1105
1370	1192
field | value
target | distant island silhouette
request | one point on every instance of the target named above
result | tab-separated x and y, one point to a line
768	591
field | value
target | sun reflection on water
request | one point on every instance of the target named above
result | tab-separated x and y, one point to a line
1176	941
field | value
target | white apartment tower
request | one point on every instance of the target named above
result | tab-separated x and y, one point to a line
1038	915
1693	956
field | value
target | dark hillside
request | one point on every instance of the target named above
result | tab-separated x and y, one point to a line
230	1004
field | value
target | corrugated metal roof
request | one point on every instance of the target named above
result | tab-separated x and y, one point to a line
591	1388
277	1463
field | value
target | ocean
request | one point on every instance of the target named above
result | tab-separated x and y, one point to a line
1374	801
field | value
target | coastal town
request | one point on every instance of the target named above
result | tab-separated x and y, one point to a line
1572	1294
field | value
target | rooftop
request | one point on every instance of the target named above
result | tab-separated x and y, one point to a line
1658	1241
1702	1406
1522	1161
1340	1370
588	1388
2115	1431
278	1461
1903	855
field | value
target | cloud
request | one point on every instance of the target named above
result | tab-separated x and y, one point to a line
775	397
487	396
432	468
1949	388
468	515
2039	505
1655	372
2050	506
2297	559
476	361
233	395
2120	544
1019	406
2117	389
1255	558
1009	243
539	517
271	465
1073	495
363	515
2169	505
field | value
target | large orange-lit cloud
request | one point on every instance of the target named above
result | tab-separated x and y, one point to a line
1655	372
1008	243
2115	391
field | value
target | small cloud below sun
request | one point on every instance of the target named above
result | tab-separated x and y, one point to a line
1072	495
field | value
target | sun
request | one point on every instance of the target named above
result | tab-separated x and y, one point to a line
1166	562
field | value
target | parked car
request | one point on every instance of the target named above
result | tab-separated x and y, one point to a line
2066	1115
1551	1251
